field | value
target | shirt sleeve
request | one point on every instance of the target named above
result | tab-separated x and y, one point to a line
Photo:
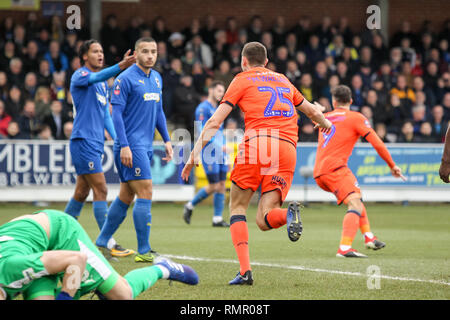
80	78
298	97
120	92
234	92
365	130
119	102
362	126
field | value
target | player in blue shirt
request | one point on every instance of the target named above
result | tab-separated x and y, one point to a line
137	111
213	159
91	110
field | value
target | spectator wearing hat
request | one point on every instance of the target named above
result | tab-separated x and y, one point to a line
175	47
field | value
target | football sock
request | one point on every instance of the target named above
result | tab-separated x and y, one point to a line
199	197
276	218
73	208
239	236
100	210
143	278
219	203
142	218
364	225
349	227
116	214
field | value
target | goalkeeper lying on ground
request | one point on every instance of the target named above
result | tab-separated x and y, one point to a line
39	250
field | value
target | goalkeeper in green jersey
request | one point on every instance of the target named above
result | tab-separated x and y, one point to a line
48	255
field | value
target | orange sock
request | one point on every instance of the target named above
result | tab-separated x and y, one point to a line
239	236
276	218
350	227
364	225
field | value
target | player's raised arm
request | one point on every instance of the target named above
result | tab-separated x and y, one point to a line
444	169
208	132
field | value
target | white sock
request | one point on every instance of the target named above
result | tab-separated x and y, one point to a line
164	270
344	247
111	243
369	235
189	205
217	219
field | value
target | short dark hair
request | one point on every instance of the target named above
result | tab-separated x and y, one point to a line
144	39
84	48
255	52
342	94
216	83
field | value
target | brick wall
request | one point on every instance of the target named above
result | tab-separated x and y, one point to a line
179	13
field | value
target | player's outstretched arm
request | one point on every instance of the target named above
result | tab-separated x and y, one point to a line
314	113
112	71
383	152
444	169
208	132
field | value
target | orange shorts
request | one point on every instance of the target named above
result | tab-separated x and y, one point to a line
267	162
341	182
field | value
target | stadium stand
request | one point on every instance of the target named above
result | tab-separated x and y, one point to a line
403	86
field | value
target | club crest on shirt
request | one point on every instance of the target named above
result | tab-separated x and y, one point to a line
157	83
117	90
151	96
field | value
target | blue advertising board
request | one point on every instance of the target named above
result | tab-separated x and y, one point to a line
34	163
24	163
419	163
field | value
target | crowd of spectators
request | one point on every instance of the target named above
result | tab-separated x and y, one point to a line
402	85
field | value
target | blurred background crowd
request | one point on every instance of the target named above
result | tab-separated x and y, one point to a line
402	85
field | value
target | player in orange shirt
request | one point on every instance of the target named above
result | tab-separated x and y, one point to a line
332	174
267	155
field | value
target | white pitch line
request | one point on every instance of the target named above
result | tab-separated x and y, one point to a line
274	265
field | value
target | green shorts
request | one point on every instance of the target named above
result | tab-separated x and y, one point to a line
21	269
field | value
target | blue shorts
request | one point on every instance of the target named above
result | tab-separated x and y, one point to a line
142	159
86	156
215	171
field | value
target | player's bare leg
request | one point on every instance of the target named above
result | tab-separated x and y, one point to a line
270	215
239	201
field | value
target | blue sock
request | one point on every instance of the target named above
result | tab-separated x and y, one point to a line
219	203
100	211
116	214
142	222
200	196
73	208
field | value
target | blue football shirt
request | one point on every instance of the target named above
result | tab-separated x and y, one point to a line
140	96
89	101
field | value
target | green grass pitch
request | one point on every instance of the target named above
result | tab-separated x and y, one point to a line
414	265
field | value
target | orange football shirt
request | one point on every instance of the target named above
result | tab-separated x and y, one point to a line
268	100
335	148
